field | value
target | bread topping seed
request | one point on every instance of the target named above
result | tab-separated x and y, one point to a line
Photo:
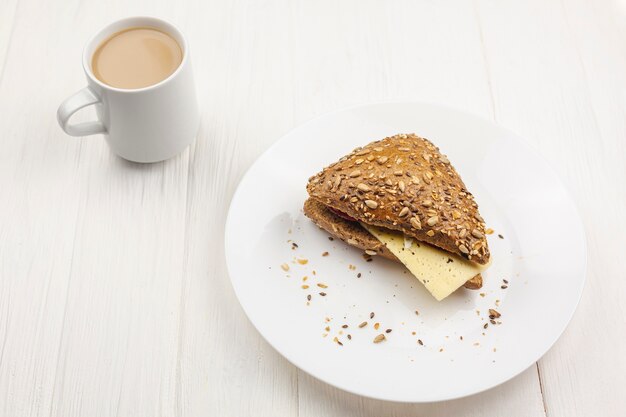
371	204
415	223
494	313
359	161
362	325
363	187
432	220
370	252
430	233
284	267
321	285
379	338
404	212
463	249
355	173
477	234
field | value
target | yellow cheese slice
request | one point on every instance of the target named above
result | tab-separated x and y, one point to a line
441	272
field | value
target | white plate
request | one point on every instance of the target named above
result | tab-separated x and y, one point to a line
542	256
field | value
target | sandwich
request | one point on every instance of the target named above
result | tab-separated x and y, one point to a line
400	198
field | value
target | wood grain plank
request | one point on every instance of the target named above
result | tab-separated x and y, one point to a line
38	208
118	351
92	246
8	9
558	76
241	53
599	43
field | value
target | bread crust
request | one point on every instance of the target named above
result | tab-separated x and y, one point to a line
404	183
350	232
355	235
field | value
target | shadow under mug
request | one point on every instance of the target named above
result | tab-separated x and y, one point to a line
147	124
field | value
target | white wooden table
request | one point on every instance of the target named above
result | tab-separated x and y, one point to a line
114	296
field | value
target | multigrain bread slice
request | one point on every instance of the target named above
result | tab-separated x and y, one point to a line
350	232
404	183
354	234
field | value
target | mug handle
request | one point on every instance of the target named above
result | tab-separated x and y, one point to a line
83	98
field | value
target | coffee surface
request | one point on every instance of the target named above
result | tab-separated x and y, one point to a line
136	58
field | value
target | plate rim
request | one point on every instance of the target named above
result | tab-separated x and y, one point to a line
445	107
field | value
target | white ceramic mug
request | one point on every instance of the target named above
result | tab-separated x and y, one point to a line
147	124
